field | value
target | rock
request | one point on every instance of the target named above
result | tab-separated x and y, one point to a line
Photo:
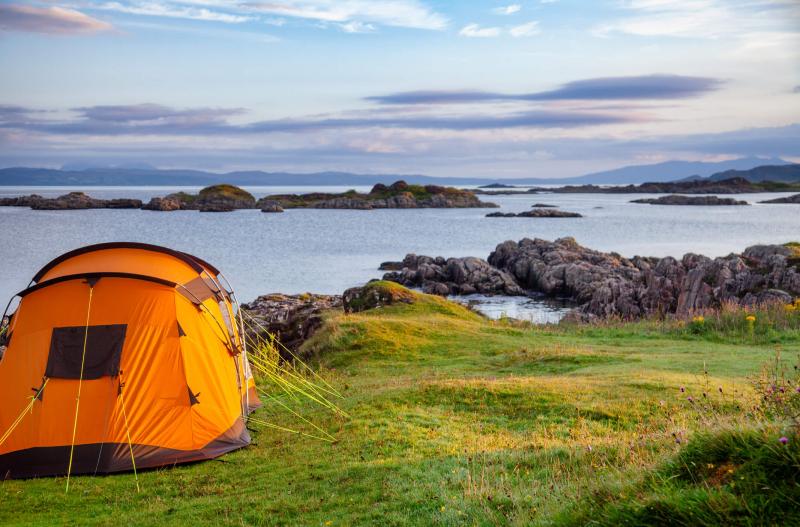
21	201
163	204
536	213
79	200
292	319
216	206
270	206
375	295
795	199
454	276
390	266
675	199
736	185
543	206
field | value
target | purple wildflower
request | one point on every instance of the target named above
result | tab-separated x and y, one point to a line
783	440
683	389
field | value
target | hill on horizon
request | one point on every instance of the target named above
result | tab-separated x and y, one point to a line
144	175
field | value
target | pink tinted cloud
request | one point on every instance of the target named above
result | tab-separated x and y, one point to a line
49	20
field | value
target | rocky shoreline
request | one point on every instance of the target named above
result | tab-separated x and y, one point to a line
226	198
795	200
607	284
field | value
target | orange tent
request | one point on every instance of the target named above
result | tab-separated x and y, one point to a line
122	356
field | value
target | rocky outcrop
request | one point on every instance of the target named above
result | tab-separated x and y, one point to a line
375	295
216	198
453	276
163	204
71	201
607	284
543	206
291	319
677	199
789	199
535	213
399	195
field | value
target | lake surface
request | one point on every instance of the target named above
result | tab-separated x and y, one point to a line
327	251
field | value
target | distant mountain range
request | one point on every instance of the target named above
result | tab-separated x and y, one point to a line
145	175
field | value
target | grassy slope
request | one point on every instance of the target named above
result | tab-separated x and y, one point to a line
454	420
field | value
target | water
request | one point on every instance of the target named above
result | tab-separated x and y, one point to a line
327	251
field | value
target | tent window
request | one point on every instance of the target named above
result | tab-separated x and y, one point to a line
103	351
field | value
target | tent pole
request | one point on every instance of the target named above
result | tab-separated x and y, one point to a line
80	385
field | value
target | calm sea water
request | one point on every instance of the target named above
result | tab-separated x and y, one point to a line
327	251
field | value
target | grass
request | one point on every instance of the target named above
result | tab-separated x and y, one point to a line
457	420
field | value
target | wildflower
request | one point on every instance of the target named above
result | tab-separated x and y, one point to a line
683	389
750	318
690	399
783	440
790	307
698	319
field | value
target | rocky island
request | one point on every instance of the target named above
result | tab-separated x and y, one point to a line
607	284
398	195
787	200
733	185
226	198
71	201
536	213
677	199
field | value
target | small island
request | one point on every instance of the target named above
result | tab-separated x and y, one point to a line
677	199
795	199
398	195
535	213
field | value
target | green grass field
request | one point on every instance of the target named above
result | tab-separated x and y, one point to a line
457	420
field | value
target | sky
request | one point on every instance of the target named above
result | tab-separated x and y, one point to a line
536	88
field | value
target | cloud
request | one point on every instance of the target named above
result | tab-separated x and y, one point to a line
357	27
49	20
507	10
474	30
398	13
525	30
606	88
154	119
161	9
155	113
701	18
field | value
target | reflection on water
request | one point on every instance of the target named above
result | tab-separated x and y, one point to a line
534	310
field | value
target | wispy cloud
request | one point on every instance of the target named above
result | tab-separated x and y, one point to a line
507	10
700	18
476	31
167	10
154	119
399	13
525	30
49	20
607	88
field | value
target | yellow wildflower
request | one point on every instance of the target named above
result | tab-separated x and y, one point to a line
698	319
790	307
750	318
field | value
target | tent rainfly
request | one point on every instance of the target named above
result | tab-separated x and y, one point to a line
122	356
